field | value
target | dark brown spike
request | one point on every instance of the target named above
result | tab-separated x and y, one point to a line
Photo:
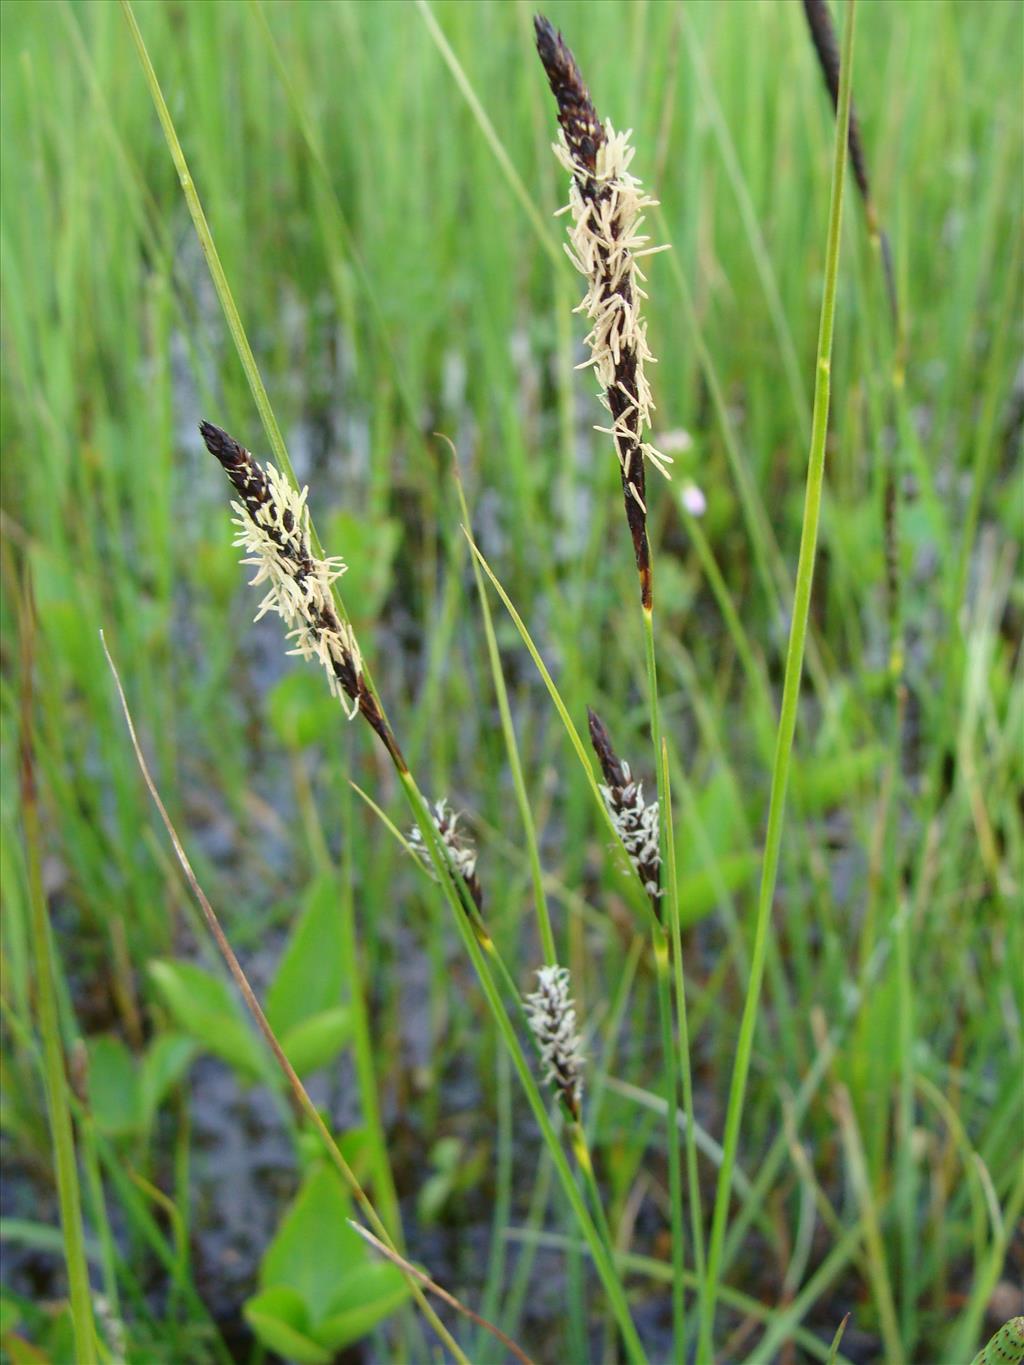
576	113
242	469
224	447
614	773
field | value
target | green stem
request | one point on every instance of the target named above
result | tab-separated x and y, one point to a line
790	697
675	930
480	949
663	978
362	1041
472	937
638	896
585	1162
49	1029
547	936
220	281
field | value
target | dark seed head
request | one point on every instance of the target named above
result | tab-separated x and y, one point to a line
576	113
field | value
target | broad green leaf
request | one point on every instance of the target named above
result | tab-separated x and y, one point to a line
166	1061
454	1169
115	1092
317	1254
356	1146
318	1040
204	1008
311	975
446	1153
280	1320
368	1295
315	1249
432	1196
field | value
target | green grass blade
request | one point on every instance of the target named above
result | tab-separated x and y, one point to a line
790	695
563	715
57	1105
547	937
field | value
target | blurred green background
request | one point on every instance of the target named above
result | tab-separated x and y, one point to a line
398	277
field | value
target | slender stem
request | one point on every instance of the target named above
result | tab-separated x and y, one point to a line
638	896
585	1161
752	228
223	289
442	1294
491	136
663	979
480	950
209	248
675	931
547	936
362	1040
790	697
49	1027
877	1262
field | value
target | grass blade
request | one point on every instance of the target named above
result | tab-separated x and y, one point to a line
790	694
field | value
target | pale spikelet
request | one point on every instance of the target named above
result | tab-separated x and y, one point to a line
605	243
460	849
637	824
636	821
552	1019
112	1328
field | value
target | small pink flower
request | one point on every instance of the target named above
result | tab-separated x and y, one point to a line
693	499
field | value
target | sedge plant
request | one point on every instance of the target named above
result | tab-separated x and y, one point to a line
567	967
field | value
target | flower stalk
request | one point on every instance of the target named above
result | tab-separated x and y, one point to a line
607	204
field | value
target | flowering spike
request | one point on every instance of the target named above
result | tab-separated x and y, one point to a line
272	522
460	850
636	821
552	1018
605	241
